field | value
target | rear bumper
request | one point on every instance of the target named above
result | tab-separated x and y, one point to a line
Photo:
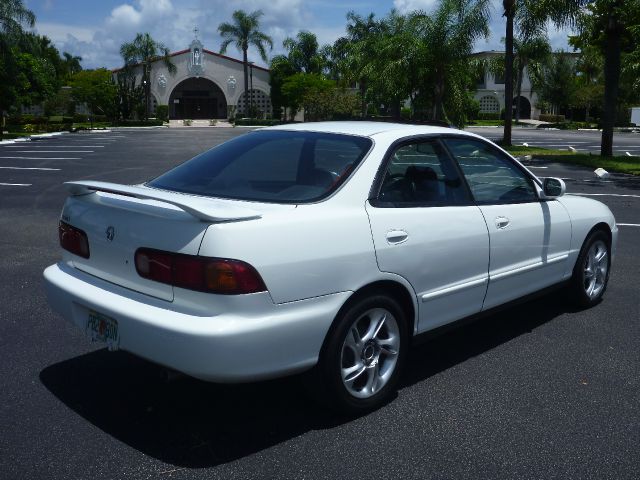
257	339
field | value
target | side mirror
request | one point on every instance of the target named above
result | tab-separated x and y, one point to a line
553	187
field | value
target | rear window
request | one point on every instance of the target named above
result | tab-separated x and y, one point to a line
270	166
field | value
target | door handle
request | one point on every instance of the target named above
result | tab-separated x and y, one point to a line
395	237
502	222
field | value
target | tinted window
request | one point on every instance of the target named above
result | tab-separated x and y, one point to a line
491	175
421	173
270	166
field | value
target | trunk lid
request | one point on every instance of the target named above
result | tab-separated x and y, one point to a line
119	219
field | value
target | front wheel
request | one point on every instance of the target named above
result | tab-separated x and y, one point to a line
364	354
591	272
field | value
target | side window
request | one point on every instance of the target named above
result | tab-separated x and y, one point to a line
422	174
492	177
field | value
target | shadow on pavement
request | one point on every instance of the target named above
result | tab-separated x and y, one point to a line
197	424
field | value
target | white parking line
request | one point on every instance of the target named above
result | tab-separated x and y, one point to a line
16	184
32	168
536	167
47	158
53	151
628	224
55	146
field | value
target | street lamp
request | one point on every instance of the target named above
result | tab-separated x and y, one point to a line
146	100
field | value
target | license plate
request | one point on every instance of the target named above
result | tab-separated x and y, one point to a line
101	328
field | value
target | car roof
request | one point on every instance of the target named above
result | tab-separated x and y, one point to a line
365	128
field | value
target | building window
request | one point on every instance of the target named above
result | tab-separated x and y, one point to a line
489	104
260	100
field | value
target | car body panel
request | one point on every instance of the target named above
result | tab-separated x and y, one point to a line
313	257
530	245
448	286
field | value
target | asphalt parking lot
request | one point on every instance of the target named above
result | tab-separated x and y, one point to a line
538	391
583	141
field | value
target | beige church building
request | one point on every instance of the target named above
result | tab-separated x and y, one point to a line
206	85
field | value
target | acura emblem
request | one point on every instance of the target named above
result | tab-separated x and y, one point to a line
111	232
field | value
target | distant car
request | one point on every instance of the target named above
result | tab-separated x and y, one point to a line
327	245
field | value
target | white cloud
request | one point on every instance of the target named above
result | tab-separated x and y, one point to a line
58	32
124	15
405	6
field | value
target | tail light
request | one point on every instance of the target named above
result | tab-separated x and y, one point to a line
73	239
204	274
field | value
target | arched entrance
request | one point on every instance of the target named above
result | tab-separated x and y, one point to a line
197	98
525	107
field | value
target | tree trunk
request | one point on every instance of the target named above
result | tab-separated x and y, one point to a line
509	11
611	83
438	98
519	92
245	64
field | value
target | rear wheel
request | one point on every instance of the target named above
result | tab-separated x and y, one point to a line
364	354
591	272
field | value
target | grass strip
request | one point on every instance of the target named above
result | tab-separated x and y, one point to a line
618	163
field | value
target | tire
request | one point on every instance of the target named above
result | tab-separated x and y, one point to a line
363	355
591	271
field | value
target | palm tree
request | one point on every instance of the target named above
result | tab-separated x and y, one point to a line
449	35
528	51
531	16
144	50
363	35
303	52
244	32
71	64
13	16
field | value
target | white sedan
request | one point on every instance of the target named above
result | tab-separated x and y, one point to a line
320	246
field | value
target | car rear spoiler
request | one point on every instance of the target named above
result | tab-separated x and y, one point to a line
202	208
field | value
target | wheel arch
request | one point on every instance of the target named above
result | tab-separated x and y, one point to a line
392	288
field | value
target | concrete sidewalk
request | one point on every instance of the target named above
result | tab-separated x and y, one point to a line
199	124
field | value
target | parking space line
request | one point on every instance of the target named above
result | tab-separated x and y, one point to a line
47	158
32	168
53	151
54	146
628	224
16	184
606	195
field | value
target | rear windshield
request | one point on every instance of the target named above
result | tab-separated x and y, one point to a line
270	166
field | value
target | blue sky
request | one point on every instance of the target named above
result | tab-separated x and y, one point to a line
95	29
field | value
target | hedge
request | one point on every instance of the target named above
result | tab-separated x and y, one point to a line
257	122
488	116
547	117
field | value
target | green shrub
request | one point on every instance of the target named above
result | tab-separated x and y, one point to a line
488	116
162	112
405	113
547	117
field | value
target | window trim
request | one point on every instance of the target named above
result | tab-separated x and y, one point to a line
376	186
534	181
337	187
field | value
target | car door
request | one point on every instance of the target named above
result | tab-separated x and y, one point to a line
426	229
530	238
